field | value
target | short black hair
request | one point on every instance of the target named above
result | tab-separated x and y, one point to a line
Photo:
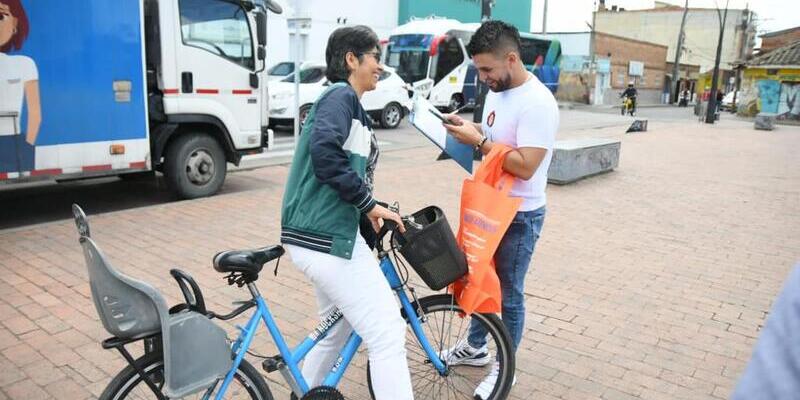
357	39
494	37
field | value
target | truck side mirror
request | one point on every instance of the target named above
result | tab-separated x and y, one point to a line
262	53
254	81
261	28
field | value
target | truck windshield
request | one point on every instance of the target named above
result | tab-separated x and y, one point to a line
409	56
219	27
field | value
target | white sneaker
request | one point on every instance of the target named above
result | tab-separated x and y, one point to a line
464	354
484	390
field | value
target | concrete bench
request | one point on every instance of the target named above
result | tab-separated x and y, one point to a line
765	121
580	158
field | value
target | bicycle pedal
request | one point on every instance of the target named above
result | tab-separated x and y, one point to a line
272	364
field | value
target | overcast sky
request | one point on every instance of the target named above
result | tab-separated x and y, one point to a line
572	15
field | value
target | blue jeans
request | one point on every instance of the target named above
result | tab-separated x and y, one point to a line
512	258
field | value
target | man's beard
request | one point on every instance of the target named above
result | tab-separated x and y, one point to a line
502	85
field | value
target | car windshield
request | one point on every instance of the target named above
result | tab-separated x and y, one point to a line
282	69
409	56
310	75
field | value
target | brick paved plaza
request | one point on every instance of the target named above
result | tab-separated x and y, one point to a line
650	282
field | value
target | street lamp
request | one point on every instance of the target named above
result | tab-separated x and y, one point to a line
712	101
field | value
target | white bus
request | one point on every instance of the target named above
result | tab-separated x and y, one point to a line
431	55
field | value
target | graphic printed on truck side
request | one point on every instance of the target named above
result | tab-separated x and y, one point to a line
70	91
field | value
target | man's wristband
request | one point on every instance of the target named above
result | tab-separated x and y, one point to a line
481	143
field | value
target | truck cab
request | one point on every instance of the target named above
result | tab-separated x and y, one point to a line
136	86
205	69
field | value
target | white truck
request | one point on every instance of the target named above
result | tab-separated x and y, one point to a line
94	88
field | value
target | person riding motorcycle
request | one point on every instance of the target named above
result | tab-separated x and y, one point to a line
631	94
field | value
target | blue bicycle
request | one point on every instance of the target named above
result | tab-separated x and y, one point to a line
188	356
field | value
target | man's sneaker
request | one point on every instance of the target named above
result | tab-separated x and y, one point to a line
486	387
464	354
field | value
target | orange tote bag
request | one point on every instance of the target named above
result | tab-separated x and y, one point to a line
486	212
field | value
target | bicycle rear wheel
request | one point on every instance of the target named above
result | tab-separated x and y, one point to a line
128	385
444	327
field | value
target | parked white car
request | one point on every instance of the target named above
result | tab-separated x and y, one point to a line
386	105
727	101
280	70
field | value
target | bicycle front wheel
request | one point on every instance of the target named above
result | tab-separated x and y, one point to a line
129	385
445	326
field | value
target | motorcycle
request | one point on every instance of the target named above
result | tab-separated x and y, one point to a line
628	105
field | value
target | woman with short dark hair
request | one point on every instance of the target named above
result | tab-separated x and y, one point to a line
329	190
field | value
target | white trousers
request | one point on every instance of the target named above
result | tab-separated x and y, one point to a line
359	290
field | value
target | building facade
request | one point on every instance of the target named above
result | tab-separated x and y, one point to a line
618	62
772	40
515	12
771	84
661	25
316	19
576	81
632	61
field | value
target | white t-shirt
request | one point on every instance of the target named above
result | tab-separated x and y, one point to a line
14	72
525	116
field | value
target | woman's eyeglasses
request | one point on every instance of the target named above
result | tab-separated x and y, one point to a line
374	54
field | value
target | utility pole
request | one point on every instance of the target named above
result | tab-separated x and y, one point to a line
745	42
480	87
593	57
712	101
544	19
678	49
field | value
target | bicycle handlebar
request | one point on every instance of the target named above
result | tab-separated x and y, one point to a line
390	226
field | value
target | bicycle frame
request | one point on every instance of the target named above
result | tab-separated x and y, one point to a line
290	358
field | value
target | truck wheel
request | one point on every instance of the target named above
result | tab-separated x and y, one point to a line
195	166
391	116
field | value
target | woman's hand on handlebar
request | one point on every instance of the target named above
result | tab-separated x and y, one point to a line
379	214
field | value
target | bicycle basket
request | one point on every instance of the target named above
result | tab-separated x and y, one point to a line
432	250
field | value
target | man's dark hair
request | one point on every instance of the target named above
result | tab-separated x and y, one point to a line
357	39
495	37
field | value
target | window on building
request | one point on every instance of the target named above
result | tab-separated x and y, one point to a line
620	77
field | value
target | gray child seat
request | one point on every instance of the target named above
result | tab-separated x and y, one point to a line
196	351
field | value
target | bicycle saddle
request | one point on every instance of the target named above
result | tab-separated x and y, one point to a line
247	262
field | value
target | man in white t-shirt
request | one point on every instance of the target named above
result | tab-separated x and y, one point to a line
519	111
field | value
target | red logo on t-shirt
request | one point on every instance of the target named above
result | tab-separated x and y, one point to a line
490	119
